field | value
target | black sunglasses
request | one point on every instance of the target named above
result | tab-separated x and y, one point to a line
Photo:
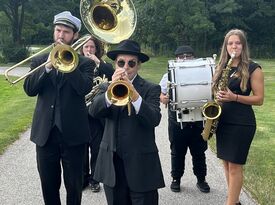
131	63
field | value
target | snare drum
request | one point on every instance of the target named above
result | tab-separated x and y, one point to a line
190	87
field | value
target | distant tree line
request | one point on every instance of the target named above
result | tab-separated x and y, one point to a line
162	24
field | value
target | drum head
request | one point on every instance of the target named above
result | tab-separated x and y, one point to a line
191	81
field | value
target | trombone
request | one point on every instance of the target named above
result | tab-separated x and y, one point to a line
63	57
111	21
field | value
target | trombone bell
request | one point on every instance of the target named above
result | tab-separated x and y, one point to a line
64	58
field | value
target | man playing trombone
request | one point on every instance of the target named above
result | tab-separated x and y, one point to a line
60	127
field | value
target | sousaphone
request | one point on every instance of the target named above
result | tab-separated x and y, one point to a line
111	21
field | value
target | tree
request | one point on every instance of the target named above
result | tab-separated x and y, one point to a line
165	24
15	11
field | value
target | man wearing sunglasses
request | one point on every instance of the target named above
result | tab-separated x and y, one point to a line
128	163
187	136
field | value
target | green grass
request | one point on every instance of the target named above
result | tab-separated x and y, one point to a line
17	108
260	168
15	112
154	69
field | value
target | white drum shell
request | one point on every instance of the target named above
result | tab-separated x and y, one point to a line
190	87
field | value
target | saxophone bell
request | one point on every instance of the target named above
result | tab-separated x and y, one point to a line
211	111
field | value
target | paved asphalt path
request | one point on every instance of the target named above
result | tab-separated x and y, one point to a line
20	184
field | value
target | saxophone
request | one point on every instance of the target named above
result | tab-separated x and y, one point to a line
212	110
96	83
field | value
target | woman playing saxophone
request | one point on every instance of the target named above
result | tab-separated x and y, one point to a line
237	124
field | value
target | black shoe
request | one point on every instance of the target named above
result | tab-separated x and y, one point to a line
175	185
95	187
203	187
85	184
239	203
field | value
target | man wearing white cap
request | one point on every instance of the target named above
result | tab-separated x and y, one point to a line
60	126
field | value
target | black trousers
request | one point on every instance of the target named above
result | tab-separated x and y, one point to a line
121	193
96	129
49	160
182	139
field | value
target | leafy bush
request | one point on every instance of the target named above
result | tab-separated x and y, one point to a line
14	53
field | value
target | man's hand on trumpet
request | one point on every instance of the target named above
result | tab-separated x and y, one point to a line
121	74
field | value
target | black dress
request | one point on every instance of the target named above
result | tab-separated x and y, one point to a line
237	123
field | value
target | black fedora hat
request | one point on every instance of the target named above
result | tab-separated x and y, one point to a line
128	47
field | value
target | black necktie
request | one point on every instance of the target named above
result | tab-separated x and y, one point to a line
58	76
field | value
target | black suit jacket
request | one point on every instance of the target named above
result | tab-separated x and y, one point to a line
132	137
97	125
72	90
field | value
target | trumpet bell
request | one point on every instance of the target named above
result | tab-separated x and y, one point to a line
110	21
64	58
119	93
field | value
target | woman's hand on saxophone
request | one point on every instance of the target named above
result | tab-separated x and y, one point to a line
226	96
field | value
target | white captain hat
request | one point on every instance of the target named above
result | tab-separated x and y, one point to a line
67	19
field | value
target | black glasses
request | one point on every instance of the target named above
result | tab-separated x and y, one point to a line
131	63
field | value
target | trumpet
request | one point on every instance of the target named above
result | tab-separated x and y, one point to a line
120	94
63	57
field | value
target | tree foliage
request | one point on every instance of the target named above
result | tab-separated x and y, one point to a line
15	12
162	24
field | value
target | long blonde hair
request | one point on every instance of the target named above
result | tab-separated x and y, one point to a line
243	66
